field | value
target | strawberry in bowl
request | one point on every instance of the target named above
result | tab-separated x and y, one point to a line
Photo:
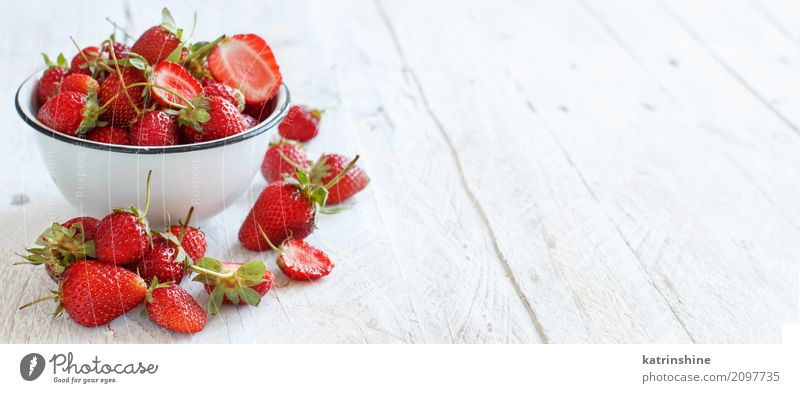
115	111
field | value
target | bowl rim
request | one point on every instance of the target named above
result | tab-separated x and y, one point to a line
277	115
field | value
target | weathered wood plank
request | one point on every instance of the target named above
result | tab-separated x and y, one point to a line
671	187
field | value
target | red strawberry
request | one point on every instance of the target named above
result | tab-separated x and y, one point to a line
301	124
83	225
285	210
234	96
50	82
124	235
95	293
207	80
232	283
249	121
125	104
85	61
155	128
165	261
80	83
194	240
246	62
70	112
171	307
275	166
61	245
301	261
328	167
158	42
177	79
121	51
111	135
213	118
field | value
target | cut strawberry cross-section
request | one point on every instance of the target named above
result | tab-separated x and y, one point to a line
246	62
171	80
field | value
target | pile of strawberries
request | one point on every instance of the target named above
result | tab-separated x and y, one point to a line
162	90
107	267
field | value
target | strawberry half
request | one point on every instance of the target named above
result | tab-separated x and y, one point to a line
301	261
246	62
178	81
232	282
171	307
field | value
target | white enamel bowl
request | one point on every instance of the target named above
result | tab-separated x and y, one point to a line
97	177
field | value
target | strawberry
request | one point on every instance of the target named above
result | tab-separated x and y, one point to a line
181	87
262	110
301	123
171	307
301	261
232	283
167	260
121	50
70	112
111	135
85	62
158	42
50	82
246	62
281	159
83	225
95	293
61	245
164	261
155	128
331	165
122	105
124	235
212	118
286	209
234	96
194	240
80	83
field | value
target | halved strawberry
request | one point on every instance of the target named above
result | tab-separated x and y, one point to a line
174	77
246	62
301	261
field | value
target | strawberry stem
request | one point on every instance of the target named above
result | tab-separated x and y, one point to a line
51	297
185	224
277	250
341	174
147	194
198	269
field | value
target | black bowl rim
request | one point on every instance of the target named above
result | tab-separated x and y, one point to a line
276	118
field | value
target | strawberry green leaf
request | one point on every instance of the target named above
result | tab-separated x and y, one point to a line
47	61
249	296
215	300
252	270
175	56
233	295
210	264
61	60
168	22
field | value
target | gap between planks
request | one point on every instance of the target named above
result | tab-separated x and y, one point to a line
462	179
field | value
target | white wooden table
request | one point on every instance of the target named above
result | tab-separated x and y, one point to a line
542	171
